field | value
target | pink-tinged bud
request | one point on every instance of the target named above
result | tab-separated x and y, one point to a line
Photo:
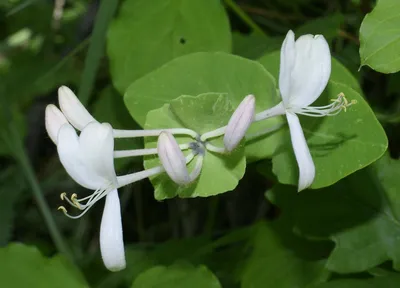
172	158
239	123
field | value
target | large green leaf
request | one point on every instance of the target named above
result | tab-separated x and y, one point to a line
220	173
361	214
23	266
209	72
147	34
339	145
281	259
181	275
390	281
380	37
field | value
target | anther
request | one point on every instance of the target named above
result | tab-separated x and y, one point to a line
63	195
62	208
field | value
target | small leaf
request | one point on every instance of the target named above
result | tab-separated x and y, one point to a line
147	34
24	266
328	26
220	173
182	275
390	281
380	37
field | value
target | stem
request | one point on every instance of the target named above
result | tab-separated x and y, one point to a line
277	110
197	168
212	134
264	132
143	152
96	48
154	132
212	148
23	160
246	18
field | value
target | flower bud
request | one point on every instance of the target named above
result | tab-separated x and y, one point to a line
239	123
172	158
54	119
73	109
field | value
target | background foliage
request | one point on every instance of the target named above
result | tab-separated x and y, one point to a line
128	61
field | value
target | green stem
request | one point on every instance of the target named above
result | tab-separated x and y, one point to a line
26	167
246	18
96	48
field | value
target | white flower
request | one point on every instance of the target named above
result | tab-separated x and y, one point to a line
54	119
239	122
89	160
305	69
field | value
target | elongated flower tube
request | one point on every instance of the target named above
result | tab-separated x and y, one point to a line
239	122
172	158
305	69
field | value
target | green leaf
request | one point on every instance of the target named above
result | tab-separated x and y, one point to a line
212	109
327	26
254	45
281	259
178	275
335	142
147	34
210	72
24	266
391	281
361	214
380	37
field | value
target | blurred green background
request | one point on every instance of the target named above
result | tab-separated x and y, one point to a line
346	235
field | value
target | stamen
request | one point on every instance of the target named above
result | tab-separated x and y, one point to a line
337	105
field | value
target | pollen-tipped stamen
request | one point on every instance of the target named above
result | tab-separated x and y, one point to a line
337	105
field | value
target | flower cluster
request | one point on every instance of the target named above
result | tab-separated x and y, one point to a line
89	157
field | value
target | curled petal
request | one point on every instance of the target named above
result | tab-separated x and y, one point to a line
54	119
311	71
301	151
172	158
73	109
97	147
288	58
239	122
79	163
111	237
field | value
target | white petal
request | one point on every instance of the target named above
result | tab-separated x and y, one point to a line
172	158
97	147
301	151
54	119
311	71
74	162
287	61
73	109
239	122
111	237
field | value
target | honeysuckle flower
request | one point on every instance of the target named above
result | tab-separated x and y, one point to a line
173	160
305	68
239	122
88	159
